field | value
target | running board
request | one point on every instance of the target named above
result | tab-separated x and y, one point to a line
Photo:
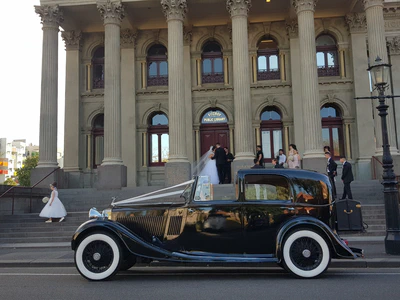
209	257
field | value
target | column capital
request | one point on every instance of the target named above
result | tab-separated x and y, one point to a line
128	38
51	15
174	9
72	39
304	5
371	3
238	7
112	12
292	28
393	44
357	22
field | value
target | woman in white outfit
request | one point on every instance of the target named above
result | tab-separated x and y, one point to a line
207	166
54	207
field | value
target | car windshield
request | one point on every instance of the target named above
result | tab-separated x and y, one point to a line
187	191
203	189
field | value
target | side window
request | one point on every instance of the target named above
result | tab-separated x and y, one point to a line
310	191
266	187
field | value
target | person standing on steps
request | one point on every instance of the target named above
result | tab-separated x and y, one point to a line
228	169
54	207
331	169
220	160
260	156
347	178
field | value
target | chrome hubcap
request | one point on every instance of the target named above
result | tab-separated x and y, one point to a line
306	253
96	256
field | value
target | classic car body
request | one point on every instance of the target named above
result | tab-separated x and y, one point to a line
269	215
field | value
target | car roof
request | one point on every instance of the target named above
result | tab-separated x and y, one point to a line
291	173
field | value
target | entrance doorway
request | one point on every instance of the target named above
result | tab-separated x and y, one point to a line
214	128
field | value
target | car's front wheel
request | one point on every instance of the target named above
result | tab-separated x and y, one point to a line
98	256
306	253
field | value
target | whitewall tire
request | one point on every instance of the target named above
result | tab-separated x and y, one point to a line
98	256
306	253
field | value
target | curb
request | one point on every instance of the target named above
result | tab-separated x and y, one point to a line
336	263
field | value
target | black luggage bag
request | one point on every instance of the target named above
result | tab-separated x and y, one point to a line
348	215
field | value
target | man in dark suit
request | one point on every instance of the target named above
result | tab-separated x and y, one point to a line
347	177
227	168
220	160
331	170
276	165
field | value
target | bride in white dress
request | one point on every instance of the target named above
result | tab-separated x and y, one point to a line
54	207
207	166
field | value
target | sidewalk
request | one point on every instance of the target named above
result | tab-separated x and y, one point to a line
61	255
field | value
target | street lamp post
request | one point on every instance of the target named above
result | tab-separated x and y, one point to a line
380	78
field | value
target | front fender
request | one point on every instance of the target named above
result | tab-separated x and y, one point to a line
339	248
129	241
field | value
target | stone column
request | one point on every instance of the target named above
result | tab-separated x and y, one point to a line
51	17
177	169
293	33
72	134
244	134
112	172
128	104
377	47
313	157
364	144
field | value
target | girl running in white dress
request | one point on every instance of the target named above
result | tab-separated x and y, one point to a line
54	207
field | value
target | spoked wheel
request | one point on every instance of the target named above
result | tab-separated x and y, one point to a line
306	254
98	256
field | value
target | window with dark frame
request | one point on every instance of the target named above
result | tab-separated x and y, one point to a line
212	63
271	133
98	141
158	139
98	68
268	60
327	56
332	130
157	66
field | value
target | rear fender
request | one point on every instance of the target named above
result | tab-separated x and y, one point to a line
338	247
131	242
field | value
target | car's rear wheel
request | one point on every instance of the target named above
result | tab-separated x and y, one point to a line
306	253
98	256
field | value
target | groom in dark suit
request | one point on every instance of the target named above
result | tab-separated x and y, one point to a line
220	160
347	177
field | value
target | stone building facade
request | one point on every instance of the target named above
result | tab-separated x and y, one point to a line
150	85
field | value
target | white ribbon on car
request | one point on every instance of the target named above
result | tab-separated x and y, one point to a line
149	197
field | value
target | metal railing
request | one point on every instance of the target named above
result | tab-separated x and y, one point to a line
13	188
375	160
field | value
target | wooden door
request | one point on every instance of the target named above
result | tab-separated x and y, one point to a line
210	134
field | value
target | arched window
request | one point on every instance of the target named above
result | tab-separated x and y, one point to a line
98	140
98	68
327	56
332	129
267	60
212	60
271	132
158	139
157	66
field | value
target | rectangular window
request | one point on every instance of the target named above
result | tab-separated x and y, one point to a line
266	143
154	148
266	187
164	147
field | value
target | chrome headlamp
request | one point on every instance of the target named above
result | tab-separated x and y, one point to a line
94	214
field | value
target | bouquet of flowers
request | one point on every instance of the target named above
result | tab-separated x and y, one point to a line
45	199
291	158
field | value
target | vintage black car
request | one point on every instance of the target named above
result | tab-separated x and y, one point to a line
269	215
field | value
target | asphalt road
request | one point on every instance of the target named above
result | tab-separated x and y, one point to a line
199	283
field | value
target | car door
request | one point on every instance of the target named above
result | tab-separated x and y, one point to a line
267	204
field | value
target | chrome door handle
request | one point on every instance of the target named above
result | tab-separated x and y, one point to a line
288	208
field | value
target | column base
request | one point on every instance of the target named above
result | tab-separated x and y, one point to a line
73	179
177	172
392	242
38	174
363	169
240	164
111	177
315	164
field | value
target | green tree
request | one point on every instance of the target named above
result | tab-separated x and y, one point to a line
24	173
9	181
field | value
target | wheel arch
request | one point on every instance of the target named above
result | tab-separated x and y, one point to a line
337	248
